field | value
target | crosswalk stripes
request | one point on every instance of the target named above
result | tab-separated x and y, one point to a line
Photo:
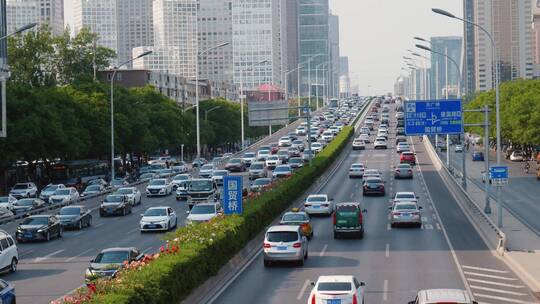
495	286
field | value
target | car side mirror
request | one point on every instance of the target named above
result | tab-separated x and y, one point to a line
389	208
412	302
312	283
417	196
142	215
420	208
364	210
362	284
187	212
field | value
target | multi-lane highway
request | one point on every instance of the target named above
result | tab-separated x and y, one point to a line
394	262
49	270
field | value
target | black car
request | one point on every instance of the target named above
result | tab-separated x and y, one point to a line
75	217
400	139
25	205
235	165
400	131
373	185
109	261
39	227
115	205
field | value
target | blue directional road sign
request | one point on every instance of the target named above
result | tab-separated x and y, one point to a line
498	175
232	194
431	117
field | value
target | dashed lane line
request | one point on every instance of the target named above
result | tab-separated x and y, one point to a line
323	251
489	276
48	256
79	255
484	269
504	299
301	293
495	283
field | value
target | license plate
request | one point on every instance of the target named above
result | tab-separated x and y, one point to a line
281	247
28	235
333	301
316	206
406	214
151	226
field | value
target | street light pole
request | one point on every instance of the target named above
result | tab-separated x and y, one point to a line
115	69
495	55
197	111
309	76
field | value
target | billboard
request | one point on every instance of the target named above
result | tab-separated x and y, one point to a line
265	113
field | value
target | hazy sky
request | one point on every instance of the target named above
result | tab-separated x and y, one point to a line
375	34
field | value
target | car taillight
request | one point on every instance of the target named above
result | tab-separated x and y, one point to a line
266	245
359	216
354	299
410	171
325	205
416	213
297	245
397	171
313	300
334	218
307	205
396	213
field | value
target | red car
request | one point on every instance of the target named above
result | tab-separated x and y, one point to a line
274	148
408	158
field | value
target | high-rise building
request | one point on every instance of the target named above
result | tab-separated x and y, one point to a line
313	38
536	36
290	29
510	23
469	71
452	47
23	12
215	28
344	77
256	39
3	43
99	16
333	36
175	39
135	26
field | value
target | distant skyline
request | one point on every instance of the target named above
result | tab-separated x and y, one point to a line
375	34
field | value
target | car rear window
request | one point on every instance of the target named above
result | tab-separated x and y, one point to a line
405	207
347	208
282	236
334	286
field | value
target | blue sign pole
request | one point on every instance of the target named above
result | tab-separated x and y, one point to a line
232	195
433	117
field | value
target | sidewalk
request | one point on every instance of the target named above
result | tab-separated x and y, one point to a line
523	244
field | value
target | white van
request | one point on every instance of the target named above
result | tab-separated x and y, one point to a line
450	296
9	256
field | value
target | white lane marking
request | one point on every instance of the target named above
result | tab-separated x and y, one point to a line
484	269
301	293
427	226
481	295
438	226
424	219
495	283
48	256
388	227
385	291
99	225
387	250
434	216
26	253
323	251
498	290
79	255
132	231
489	276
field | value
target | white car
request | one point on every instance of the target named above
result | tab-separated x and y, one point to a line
249	157
334	129
364	137
92	189
21	190
358	144
517	156
159	186
433	296
458	148
217	176
179	167
272	161
206	171
301	131
9	256
319	204
203	212
7	202
131	193
158	218
365	130
317	147
285	243
356	170
64	196
179	179
285	141
404	196
49	190
402	147
380	143
327	136
342	289
372	173
262	155
298	144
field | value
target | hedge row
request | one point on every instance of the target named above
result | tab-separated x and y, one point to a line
205	248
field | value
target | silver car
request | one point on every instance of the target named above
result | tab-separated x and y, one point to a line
406	213
285	243
403	170
257	170
356	170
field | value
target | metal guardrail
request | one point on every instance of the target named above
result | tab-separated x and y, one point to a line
496	237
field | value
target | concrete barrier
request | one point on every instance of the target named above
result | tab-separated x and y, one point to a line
492	235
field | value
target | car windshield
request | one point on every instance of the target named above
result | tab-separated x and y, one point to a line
203	209
294	217
257	166
221	173
112	257
405	207
283	169
50	188
146	175
200	186
272	158
298	142
25	202
249	154
316	199
114	199
70	211
181	177
61	192
117	182
295	160
93	188
405	166
124	191
346	209
156	212
373	181
235	161
207	167
40	220
357	166
282	236
405	195
157	182
20	186
4	199
283	153
262	182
